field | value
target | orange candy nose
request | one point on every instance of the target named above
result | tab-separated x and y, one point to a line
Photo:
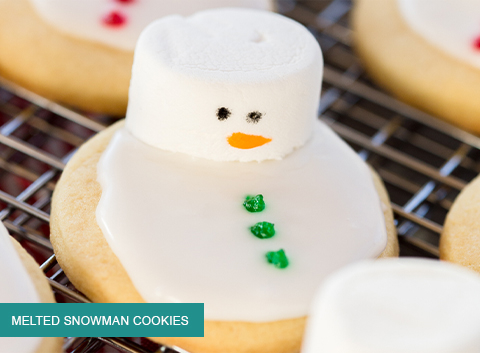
245	142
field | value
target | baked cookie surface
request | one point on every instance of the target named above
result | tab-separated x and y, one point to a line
460	239
84	254
413	69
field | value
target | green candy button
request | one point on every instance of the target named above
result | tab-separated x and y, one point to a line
263	230
254	203
277	258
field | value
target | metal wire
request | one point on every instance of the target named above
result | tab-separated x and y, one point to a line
423	161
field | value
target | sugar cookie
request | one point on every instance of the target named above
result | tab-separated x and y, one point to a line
229	181
425	52
460	239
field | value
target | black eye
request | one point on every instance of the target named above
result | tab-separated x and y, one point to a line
254	117
223	113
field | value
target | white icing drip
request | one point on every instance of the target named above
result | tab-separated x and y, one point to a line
16	286
83	19
450	25
396	306
179	228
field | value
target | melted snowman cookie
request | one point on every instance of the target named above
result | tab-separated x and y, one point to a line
80	52
222	187
425	52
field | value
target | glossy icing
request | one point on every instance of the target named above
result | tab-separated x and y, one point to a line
396	306
89	19
179	227
16	286
453	26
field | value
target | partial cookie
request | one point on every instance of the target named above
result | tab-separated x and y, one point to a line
90	76
460	239
81	53
28	285
226	191
425	54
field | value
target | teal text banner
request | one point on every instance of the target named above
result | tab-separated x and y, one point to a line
101	320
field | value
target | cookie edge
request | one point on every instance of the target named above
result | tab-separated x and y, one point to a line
47	344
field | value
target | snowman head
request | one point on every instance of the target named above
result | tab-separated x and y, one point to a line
226	85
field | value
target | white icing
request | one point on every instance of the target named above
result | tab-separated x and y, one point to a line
450	25
396	306
83	18
185	69
178	226
16	286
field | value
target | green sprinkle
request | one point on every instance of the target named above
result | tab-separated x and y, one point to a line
277	258
254	203
263	230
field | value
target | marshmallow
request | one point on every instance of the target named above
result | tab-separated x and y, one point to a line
91	19
400	305
226	85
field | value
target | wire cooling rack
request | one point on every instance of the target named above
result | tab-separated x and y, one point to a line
424	162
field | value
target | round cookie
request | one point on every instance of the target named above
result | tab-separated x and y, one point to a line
460	239
179	176
80	72
47	344
90	264
412	68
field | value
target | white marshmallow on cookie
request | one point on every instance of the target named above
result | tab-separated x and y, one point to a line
118	23
223	82
396	306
